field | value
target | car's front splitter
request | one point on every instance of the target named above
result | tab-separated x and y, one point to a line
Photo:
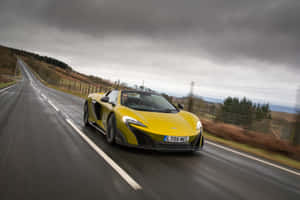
146	142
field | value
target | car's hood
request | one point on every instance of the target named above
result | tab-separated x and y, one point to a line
177	124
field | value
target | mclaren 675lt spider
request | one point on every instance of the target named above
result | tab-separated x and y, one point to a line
144	120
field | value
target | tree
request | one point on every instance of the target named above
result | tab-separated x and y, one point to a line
242	112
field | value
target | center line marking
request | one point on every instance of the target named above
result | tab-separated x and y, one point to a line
112	163
57	110
253	158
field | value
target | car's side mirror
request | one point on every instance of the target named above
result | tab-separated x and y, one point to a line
112	103
180	106
105	99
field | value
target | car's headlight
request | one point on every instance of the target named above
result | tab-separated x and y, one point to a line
129	120
199	125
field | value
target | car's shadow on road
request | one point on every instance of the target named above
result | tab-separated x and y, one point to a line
100	140
155	152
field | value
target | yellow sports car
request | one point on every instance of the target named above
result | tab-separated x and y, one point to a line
143	119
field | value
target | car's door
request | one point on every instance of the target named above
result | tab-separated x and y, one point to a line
108	107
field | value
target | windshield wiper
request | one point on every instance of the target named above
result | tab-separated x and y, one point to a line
169	110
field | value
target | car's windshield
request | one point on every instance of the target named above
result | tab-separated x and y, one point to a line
146	101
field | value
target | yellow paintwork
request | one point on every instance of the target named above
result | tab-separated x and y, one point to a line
157	124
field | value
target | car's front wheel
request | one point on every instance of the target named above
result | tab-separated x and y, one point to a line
111	130
86	115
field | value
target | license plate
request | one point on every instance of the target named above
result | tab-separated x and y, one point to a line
175	139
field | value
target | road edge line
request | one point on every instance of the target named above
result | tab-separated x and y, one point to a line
253	158
6	88
101	153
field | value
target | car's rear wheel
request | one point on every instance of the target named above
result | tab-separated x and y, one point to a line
193	151
111	130
86	115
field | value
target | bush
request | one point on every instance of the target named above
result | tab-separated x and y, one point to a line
253	138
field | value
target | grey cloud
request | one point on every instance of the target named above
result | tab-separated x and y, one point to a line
227	31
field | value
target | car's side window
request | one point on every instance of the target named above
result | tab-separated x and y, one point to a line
113	96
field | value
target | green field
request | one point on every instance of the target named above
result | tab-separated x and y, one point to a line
3	85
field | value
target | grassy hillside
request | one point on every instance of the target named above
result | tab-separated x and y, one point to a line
7	65
290	117
49	69
67	79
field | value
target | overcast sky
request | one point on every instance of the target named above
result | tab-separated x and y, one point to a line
229	48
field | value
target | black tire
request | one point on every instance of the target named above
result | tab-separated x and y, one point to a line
111	130
192	152
86	114
202	143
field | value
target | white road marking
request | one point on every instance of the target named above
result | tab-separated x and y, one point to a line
253	158
112	163
41	98
7	88
50	102
29	76
36	88
44	96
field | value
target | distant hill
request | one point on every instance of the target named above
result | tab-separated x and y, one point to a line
212	100
280	108
45	59
273	107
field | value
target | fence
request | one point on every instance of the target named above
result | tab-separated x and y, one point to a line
80	87
74	86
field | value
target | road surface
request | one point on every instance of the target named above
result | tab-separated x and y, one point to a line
47	153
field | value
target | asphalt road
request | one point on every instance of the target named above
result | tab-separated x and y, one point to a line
42	156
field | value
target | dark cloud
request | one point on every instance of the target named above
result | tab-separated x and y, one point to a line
233	47
231	30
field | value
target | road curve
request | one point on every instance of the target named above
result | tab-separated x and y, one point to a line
42	156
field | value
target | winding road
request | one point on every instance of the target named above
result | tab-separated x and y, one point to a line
47	153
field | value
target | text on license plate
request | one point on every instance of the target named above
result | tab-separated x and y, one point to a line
176	139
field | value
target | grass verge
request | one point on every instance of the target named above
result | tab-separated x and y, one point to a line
279	158
67	91
4	85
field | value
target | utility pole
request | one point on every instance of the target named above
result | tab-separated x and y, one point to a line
192	88
190	98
